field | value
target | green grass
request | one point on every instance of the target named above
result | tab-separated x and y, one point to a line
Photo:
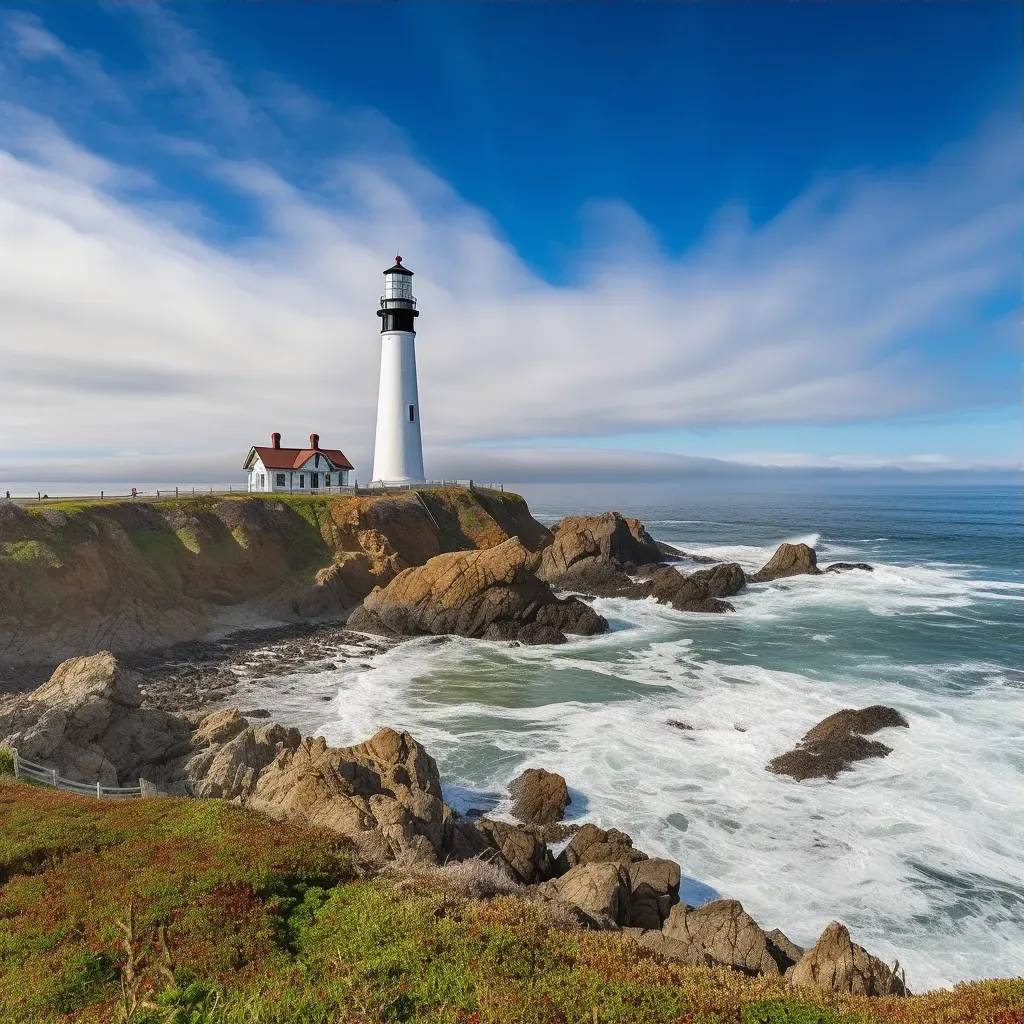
235	919
30	553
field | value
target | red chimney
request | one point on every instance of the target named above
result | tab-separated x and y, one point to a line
314	442
275	439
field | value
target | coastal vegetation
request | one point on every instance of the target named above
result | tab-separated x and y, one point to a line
201	912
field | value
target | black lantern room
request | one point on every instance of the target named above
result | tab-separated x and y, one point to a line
397	304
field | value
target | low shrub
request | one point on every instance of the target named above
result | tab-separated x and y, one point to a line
198	912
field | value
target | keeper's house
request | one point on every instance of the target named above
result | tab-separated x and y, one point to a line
296	469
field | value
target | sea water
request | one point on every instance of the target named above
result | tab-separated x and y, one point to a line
920	853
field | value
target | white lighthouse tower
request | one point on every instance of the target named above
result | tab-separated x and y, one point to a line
398	450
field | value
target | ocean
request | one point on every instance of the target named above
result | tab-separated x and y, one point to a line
921	853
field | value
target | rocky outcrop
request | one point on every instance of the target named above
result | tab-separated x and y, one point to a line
88	724
135	575
700	591
527	858
788	560
724	934
837	742
491	594
593	845
601	891
654	890
539	797
582	543
847	566
784	943
837	964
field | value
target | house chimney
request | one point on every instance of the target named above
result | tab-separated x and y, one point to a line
314	442
275	439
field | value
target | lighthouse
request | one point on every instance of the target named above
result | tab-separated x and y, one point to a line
398	450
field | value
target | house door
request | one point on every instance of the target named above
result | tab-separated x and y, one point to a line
314	479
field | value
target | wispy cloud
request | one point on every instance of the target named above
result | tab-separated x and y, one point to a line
131	316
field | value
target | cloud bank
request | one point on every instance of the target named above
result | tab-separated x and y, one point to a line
139	324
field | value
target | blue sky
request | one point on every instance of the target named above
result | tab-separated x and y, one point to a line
782	234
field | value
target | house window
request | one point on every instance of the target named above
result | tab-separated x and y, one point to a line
317	462
302	479
263	480
343	478
280	479
314	479
412	413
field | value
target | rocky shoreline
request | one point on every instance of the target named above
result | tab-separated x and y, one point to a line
161	713
384	797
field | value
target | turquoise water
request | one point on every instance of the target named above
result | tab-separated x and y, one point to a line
920	853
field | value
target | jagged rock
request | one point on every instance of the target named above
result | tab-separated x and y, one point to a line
723	933
836	742
595	578
87	723
609	539
837	964
654	890
601	891
528	859
592	845
788	560
492	593
699	591
846	566
539	797
790	949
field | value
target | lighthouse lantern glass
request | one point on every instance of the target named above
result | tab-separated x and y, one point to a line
397	286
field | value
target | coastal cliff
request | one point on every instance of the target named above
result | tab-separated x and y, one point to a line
133	575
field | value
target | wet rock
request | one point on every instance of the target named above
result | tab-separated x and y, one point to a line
595	578
539	797
837	964
676	724
788	560
700	591
847	566
837	742
723	933
610	540
473	593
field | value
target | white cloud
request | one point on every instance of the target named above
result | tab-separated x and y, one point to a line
126	323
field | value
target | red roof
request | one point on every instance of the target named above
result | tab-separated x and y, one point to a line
293	458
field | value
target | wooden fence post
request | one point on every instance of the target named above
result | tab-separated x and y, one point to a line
17	765
99	791
53	777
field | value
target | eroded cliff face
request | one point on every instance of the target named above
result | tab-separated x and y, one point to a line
126	576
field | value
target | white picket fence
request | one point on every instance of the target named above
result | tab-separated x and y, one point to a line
25	769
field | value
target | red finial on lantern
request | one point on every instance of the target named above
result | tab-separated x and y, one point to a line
398	261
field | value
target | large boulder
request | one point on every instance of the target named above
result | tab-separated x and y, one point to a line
837	964
609	539
722	933
593	845
788	560
838	741
87	723
539	797
528	859
654	890
601	891
491	594
700	591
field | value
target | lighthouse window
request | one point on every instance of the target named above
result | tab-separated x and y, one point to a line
412	413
